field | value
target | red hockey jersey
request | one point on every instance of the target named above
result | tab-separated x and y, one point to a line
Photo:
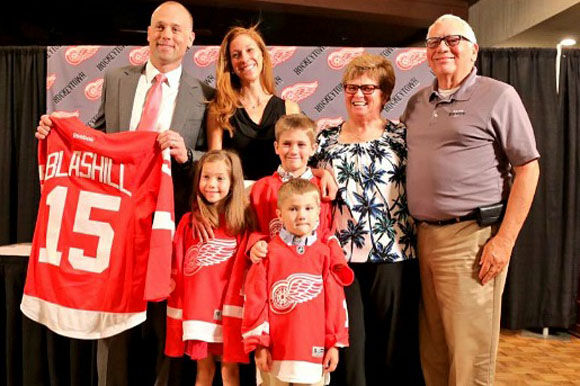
295	306
102	243
200	273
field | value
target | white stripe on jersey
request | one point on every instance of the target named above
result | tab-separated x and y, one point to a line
262	328
233	311
199	330
175	313
162	220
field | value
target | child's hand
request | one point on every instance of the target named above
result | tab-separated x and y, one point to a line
263	359
330	360
201	228
259	251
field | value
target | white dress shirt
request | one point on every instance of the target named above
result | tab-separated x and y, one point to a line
170	89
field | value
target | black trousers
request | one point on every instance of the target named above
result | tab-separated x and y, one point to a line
135	356
383	305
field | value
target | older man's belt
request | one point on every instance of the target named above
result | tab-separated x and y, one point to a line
485	215
454	220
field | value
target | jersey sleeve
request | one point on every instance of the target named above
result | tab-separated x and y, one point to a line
233	306
157	285
255	322
336	315
264	201
174	344
339	267
326	227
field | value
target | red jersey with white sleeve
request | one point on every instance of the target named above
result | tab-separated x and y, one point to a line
103	237
295	307
201	272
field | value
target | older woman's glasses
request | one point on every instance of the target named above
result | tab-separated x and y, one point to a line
366	89
450	40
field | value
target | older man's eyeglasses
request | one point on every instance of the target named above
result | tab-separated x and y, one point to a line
450	40
366	89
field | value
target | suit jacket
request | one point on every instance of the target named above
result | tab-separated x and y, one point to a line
188	119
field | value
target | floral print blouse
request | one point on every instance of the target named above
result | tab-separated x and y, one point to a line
374	224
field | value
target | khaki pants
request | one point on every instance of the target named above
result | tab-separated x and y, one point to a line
459	318
268	379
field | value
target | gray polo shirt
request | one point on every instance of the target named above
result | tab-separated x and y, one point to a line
461	148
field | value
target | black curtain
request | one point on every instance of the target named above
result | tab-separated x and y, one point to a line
543	273
570	104
32	355
22	101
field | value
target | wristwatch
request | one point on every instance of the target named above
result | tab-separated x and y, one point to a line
189	157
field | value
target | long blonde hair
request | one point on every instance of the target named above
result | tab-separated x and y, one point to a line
228	84
235	206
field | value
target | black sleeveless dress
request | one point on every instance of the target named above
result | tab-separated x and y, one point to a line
253	142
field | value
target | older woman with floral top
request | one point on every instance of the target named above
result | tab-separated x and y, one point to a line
367	155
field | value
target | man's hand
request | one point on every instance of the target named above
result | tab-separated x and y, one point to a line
174	141
496	253
44	126
494	258
201	228
258	251
330	360
263	359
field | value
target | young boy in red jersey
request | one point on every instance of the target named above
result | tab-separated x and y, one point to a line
294	313
295	143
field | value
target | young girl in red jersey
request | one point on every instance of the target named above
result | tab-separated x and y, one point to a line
202	271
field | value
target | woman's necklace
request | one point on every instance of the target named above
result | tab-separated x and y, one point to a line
257	103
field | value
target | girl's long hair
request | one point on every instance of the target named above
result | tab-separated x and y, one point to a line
235	206
228	84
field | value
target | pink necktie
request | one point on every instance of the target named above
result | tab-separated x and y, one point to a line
152	103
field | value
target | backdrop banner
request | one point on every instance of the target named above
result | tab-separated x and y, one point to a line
310	76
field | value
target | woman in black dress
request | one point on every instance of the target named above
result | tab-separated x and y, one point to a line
243	114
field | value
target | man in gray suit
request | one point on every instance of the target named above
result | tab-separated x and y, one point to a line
129	358
182	111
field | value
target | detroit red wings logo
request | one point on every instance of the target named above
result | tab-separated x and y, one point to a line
274	227
206	56
411	58
299	91
94	89
139	55
340	58
325	123
50	79
213	252
297	288
280	54
75	55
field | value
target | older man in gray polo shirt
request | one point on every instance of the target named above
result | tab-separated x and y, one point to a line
471	145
